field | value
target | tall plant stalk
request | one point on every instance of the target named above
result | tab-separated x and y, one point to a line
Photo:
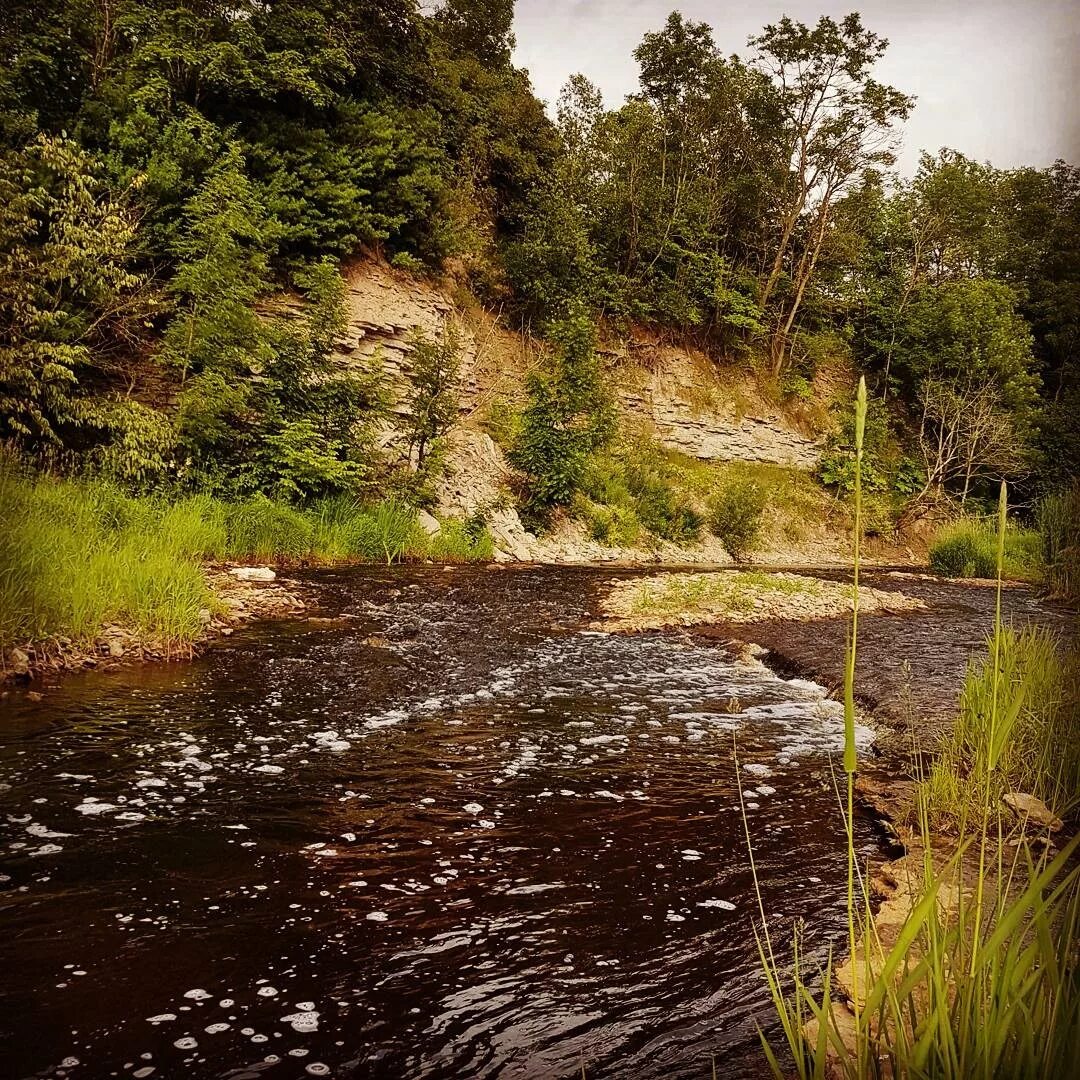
991	755
851	761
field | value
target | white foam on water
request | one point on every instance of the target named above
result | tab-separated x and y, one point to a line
303	1022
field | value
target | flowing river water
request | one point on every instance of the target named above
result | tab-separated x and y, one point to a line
446	831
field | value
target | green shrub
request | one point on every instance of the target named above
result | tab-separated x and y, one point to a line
735	515
463	541
968	548
637	488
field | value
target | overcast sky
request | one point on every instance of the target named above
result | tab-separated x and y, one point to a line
994	79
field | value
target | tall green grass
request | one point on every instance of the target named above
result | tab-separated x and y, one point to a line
968	548
78	555
979	979
1033	746
1057	518
75	557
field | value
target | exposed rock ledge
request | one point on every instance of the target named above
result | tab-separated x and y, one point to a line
708	437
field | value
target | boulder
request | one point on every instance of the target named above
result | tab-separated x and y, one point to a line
252	573
19	662
428	522
1029	808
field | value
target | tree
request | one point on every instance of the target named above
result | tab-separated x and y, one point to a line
69	295
433	401
479	27
966	359
222	270
568	416
837	123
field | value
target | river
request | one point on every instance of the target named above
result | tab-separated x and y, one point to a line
443	830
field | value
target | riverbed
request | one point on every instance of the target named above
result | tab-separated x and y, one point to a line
441	829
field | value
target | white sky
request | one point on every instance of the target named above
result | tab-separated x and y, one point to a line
995	80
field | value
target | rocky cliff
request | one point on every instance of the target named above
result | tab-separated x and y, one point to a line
673	393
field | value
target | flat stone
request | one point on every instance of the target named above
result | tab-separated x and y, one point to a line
253	573
1029	808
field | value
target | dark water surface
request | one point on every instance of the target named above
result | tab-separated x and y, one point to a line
483	844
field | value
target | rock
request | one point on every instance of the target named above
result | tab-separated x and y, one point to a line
252	573
19	662
1029	808
33	695
205	616
428	522
116	647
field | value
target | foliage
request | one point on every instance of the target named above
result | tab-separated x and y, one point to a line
433	399
735	515
635	488
168	169
968	548
69	294
568	416
885	467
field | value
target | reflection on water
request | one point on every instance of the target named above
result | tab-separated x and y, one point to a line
449	834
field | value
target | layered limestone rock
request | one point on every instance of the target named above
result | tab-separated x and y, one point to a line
673	392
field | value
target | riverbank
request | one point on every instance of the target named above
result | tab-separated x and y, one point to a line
917	632
237	595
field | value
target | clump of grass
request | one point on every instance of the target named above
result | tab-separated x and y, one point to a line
1036	681
262	529
462	542
1057	518
735	515
78	555
968	548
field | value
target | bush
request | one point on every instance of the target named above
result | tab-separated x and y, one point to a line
636	489
735	515
968	548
